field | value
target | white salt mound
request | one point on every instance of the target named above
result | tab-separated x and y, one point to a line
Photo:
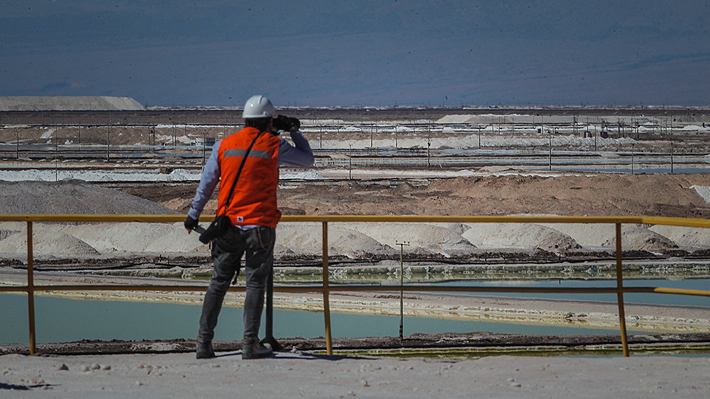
305	238
703	192
7	233
586	235
518	235
47	243
642	239
685	236
424	237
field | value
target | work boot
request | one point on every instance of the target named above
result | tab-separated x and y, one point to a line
253	349
204	349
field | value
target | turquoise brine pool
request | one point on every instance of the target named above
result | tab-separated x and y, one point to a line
65	320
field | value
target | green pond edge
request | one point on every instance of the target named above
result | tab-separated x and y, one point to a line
432	273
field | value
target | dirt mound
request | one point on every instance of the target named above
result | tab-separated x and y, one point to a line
47	243
305	238
586	235
7	233
134	237
72	197
425	238
685	236
523	235
642	239
571	195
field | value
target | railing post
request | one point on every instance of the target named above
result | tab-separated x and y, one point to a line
620	295
326	291
401	288
31	290
401	292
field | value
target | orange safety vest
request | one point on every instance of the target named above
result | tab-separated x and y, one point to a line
254	198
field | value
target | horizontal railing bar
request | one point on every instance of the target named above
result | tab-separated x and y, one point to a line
687	222
374	288
680	291
99	218
461	219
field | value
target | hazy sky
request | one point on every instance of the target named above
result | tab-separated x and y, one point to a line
369	52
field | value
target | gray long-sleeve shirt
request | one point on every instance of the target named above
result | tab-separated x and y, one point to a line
300	155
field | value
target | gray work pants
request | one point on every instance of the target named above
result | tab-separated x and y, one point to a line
227	251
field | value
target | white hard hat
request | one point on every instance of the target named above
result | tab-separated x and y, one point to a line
258	107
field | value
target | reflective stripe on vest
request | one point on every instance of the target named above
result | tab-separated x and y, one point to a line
252	154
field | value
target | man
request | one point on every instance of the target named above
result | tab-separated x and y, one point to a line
253	213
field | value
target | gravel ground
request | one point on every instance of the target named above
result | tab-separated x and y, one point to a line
298	374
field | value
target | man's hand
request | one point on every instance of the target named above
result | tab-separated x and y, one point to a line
295	124
190	224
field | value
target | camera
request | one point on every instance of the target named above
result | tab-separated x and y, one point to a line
282	122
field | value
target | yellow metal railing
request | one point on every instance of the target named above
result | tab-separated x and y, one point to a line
325	288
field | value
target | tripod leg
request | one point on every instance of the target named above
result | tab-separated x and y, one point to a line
269	338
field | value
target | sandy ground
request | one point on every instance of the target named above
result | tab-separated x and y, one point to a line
308	375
